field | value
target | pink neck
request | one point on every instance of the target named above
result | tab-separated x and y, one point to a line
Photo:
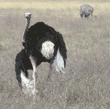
26	28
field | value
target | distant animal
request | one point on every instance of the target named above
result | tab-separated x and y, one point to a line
41	44
86	10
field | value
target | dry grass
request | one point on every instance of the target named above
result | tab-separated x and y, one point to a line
99	6
86	85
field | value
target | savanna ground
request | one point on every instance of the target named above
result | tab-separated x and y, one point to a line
86	83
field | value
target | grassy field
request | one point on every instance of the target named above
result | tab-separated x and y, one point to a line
86	83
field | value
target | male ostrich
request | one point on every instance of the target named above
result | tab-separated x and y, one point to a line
41	44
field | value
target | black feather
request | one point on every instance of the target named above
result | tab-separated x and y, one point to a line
36	35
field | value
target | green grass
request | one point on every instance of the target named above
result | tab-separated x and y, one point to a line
86	83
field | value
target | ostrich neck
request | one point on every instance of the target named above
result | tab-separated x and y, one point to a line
26	28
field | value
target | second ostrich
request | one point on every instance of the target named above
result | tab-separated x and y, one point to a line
41	44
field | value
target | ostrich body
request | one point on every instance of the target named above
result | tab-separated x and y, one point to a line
86	10
41	44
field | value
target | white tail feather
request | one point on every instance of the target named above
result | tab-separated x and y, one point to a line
24	79
58	63
27	85
47	49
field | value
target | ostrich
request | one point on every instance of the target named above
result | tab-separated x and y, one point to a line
86	10
41	44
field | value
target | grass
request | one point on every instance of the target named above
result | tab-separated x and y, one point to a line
86	83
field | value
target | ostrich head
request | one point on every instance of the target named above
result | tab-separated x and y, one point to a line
28	17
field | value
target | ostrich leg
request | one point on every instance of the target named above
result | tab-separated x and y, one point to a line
34	73
49	75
